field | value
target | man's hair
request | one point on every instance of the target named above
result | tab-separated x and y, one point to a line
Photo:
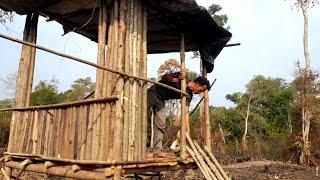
202	81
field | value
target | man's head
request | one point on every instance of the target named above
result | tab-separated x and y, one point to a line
199	85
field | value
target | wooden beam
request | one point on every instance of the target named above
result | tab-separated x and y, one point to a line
58	171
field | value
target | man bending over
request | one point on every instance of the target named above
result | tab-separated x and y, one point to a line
157	96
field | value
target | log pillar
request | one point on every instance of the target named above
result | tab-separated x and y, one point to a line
206	116
122	127
183	101
24	79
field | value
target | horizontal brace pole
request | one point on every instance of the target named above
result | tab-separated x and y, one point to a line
91	64
88	162
234	44
62	105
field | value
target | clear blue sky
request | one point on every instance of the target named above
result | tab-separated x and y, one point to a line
270	33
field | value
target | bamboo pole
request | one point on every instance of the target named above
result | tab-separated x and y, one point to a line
216	163
92	64
199	158
206	113
183	101
211	165
202	169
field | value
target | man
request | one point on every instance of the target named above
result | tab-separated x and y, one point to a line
157	96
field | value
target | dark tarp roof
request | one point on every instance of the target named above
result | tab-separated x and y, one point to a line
166	19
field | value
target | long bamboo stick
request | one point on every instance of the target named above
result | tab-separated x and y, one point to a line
91	64
183	101
216	163
198	157
211	165
202	169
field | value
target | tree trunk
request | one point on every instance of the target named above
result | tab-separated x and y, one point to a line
244	138
305	154
304	7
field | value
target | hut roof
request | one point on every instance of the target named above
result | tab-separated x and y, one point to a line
166	19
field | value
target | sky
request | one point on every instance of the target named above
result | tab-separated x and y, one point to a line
270	33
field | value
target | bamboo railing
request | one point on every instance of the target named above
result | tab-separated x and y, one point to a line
61	131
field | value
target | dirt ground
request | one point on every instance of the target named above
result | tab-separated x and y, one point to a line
258	170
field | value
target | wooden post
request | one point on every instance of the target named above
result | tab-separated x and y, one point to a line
206	113
183	102
25	78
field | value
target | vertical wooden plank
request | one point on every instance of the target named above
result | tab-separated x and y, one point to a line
73	125
35	132
206	113
126	96
80	131
63	134
54	130
183	102
138	60
46	133
58	133
30	132
89	134
43	126
144	85
118	133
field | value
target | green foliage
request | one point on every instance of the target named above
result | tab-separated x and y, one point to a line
46	93
271	102
5	122
79	89
220	19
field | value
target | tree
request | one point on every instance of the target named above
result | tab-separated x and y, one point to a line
9	84
46	93
307	84
5	16
304	5
221	19
264	107
79	89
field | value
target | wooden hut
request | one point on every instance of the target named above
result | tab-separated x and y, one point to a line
105	136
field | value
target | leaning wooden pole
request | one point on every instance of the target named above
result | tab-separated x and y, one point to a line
206	116
183	101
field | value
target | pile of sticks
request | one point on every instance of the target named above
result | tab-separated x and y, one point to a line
206	162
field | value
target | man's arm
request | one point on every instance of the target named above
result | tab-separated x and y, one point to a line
173	77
